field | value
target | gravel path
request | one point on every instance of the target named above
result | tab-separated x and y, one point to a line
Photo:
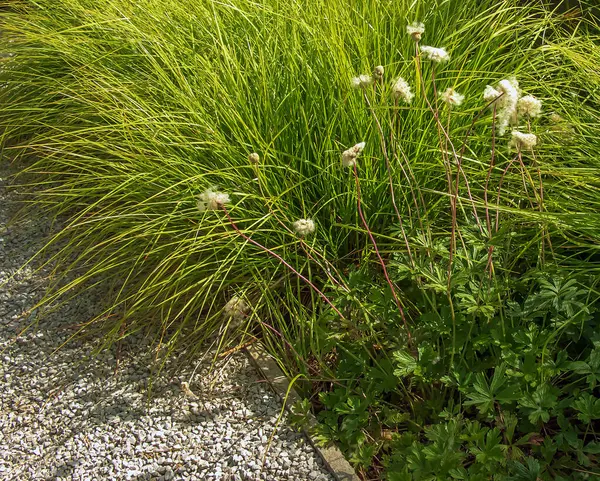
67	415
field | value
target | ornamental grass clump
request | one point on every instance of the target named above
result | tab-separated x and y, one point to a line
436	283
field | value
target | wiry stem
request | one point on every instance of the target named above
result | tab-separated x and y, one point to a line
304	245
541	206
283	261
489	173
500	189
445	160
381	261
443	131
525	173
485	190
409	179
391	182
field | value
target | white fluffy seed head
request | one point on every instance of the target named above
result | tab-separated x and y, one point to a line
358	148
507	104
415	30
510	89
349	156
522	141
490	94
434	54
402	91
348	159
362	81
236	308
378	72
254	158
529	106
212	200
304	227
452	97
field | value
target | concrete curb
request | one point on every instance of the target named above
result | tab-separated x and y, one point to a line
269	369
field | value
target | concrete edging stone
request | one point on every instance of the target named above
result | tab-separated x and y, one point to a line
269	369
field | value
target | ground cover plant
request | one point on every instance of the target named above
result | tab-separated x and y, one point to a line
405	213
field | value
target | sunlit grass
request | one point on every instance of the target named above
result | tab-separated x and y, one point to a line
130	110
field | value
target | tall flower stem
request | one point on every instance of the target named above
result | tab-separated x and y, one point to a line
391	182
453	194
283	261
381	261
545	234
500	189
489	173
445	159
328	267
485	190
441	129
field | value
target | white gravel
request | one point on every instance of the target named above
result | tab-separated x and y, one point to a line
67	415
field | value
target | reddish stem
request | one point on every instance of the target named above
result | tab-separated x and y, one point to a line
389	171
489	174
385	272
499	190
303	244
441	129
283	261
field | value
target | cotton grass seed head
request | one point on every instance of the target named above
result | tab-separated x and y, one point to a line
236	308
506	104
349	156
378	72
437	55
510	89
402	91
212	200
452	97
304	227
522	141
490	94
529	106
254	158
415	30
362	81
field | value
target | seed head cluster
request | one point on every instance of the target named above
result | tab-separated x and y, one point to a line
437	55
349	156
362	81
236	308
415	30
402	90
510	106
452	97
529	106
212	200
490	94
522	141
378	72
304	227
